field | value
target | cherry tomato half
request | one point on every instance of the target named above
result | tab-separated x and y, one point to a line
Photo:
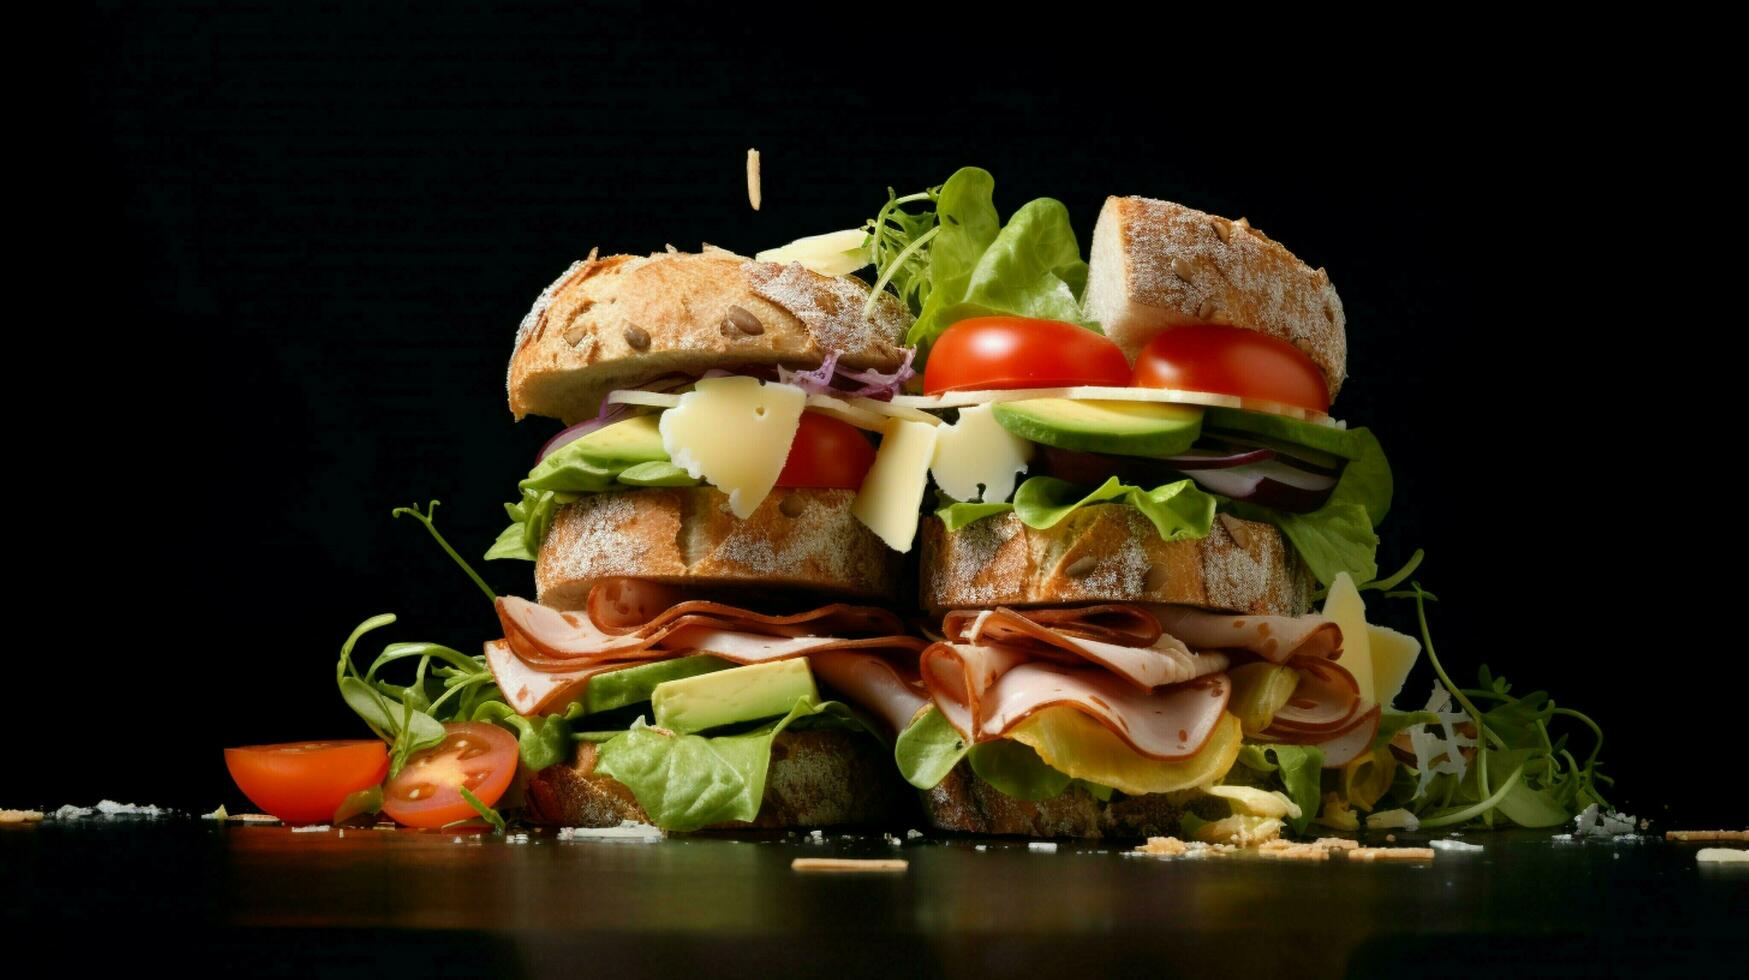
427	791
305	782
1232	361
826	453
990	352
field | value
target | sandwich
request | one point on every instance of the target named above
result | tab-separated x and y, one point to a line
712	618
1141	489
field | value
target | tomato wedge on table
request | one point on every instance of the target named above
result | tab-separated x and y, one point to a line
826	453
1007	352
475	756
305	782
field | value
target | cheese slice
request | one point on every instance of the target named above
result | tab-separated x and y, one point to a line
892	494
1393	654
977	459
960	399
1343	605
735	434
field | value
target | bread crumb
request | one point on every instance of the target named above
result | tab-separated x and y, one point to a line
1042	846
1336	843
754	191
1698	835
849	864
316	828
1721	855
1455	845
1163	847
1391	854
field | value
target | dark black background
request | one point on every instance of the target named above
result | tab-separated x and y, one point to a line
310	231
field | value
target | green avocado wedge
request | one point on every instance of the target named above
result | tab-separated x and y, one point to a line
1120	428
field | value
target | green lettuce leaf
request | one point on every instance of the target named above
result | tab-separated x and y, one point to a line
927	749
685	782
1015	769
661	473
1300	769
1179	511
541	741
1336	537
587	465
979	267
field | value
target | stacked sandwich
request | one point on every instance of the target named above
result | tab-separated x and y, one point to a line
1112	578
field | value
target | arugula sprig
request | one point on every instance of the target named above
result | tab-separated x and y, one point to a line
896	241
1521	772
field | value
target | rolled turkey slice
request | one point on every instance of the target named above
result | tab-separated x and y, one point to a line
957	675
1324	702
1169	724
1277	639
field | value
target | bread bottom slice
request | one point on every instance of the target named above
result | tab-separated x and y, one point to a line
963	802
818	778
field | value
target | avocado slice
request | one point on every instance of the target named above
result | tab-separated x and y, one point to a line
634	685
634	440
1120	428
1324	438
724	697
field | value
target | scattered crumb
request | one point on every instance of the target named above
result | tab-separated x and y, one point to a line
516	838
317	828
980	847
342	832
817	836
1281	850
849	864
1455	845
1336	843
1391	854
218	814
891	840
1391	838
1592	822
628	831
913	834
1721	855
108	808
21	816
1042	846
458	840
1699	835
1163	847
1562	838
252	818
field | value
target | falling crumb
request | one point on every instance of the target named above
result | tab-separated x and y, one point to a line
1042	846
21	816
1456	845
755	194
1721	855
318	828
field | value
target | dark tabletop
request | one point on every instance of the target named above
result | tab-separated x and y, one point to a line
268	900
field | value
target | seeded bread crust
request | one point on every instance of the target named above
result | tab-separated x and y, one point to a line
1110	553
818	778
964	803
1156	264
796	539
623	320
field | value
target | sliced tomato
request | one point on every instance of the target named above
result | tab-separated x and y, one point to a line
305	782
826	453
1232	361
475	756
990	352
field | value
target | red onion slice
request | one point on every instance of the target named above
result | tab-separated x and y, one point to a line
1215	461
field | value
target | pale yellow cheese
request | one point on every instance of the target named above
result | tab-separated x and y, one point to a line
735	434
892	494
1393	654
1343	605
977	459
836	253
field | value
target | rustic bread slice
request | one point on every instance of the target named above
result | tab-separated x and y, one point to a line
962	802
1156	264
818	778
796	539
623	320
1110	553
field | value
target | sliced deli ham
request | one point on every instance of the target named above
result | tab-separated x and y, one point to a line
1324	701
1165	661
617	606
533	691
1168	724
1125	623
875	683
1277	639
957	676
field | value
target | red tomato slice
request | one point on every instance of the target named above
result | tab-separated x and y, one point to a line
826	453
1232	361
990	352
305	782
427	791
